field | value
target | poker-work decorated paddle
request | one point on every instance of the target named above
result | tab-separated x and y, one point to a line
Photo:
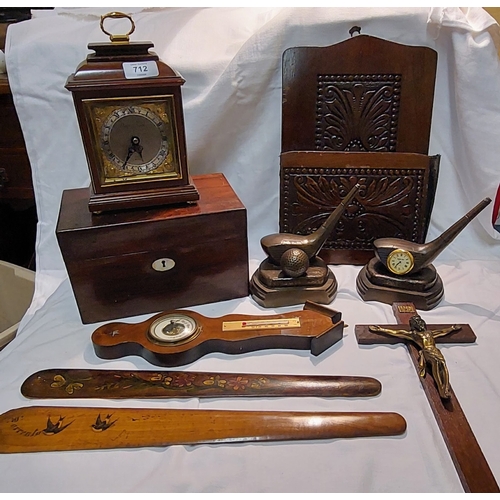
45	428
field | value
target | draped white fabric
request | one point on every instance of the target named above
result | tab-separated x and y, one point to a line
231	61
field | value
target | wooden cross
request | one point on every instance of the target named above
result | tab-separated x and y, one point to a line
470	463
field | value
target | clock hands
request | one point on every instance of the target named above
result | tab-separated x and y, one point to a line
135	147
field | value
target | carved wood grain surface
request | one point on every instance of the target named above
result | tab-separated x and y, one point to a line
364	93
395	199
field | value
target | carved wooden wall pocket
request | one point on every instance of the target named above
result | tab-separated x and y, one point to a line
358	112
395	198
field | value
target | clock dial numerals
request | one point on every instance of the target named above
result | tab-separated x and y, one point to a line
400	261
134	139
137	139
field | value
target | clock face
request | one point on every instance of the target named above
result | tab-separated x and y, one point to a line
173	329
135	139
400	261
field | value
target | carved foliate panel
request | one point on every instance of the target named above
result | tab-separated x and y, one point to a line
392	202
361	94
357	112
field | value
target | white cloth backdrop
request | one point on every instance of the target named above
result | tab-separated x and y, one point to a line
230	59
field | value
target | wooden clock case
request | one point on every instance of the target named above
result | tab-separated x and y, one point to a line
101	76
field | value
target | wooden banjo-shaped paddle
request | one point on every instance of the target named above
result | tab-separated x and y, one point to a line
179	337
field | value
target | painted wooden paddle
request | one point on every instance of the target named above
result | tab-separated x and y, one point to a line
64	383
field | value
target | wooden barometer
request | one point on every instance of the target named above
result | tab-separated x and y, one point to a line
180	337
129	109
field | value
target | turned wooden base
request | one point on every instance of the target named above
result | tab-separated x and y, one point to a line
424	289
270	287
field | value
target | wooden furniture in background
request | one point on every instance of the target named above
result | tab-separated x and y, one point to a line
493	12
18	216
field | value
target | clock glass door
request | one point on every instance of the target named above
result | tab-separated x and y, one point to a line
137	139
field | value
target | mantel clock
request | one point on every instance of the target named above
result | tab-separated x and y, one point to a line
129	109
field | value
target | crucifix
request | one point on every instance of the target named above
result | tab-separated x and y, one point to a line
421	339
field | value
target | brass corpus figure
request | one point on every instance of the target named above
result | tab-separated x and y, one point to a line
429	353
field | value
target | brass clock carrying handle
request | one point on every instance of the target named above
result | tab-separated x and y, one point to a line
118	15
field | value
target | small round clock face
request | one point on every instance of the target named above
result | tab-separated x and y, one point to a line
134	139
173	329
400	261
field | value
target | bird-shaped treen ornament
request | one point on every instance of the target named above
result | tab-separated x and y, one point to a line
402	271
293	273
